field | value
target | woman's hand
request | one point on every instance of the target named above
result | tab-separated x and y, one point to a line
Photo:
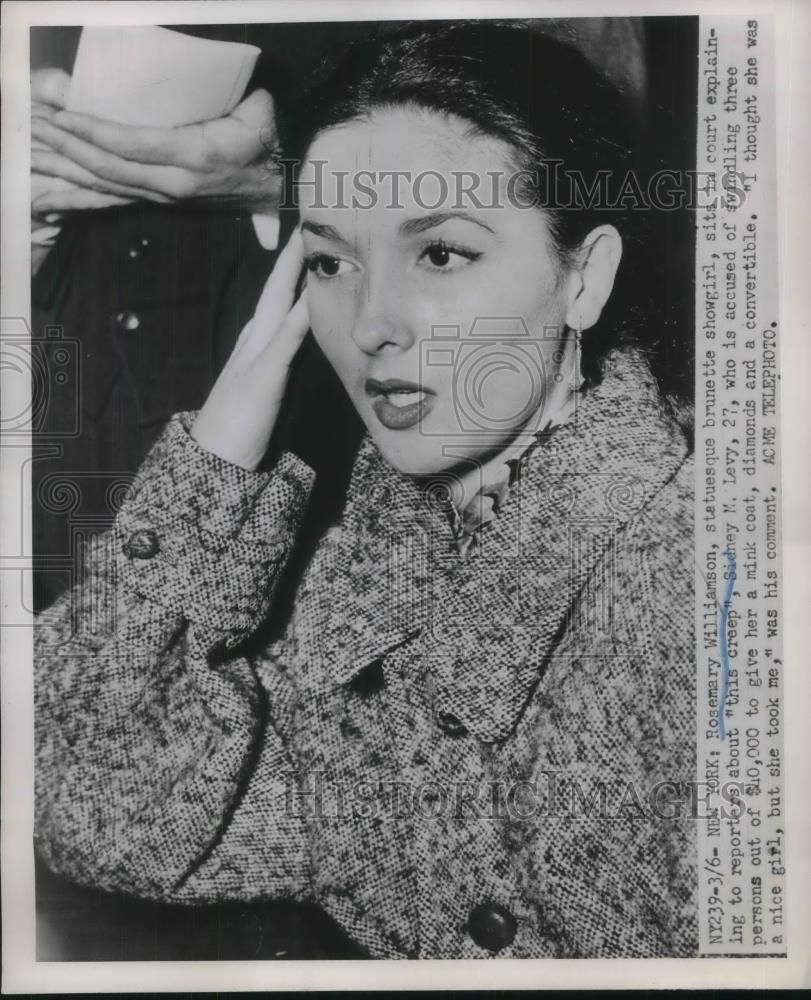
237	419
223	159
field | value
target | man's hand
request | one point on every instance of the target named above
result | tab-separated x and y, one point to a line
225	159
74	188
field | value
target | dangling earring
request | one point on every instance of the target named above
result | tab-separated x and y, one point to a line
578	380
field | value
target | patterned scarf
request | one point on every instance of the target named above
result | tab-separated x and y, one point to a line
477	496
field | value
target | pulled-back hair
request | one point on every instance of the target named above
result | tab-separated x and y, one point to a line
547	102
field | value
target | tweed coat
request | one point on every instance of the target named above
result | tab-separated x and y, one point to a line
454	758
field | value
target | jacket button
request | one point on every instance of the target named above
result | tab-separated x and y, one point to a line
139	250
128	321
141	545
449	724
492	926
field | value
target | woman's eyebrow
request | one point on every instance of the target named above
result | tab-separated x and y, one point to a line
324	231
413	226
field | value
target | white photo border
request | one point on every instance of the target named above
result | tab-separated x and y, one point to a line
21	972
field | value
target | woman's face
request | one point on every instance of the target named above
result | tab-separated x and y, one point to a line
443	318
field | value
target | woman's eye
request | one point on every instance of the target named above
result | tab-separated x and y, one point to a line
444	257
323	265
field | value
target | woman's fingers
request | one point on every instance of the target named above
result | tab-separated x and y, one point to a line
237	420
280	289
282	348
247	407
265	380
274	303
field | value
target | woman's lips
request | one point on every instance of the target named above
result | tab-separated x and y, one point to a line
397	404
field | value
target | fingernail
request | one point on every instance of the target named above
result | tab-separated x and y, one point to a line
53	217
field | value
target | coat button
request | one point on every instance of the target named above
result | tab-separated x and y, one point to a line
128	321
369	681
141	545
449	724
492	926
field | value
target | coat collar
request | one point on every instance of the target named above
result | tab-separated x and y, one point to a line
487	626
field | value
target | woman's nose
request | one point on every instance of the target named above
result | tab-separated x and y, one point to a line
382	321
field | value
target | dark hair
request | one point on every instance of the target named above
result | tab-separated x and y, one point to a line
539	95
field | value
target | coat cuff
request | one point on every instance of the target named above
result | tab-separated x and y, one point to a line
205	538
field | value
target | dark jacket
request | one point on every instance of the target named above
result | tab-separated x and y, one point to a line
134	312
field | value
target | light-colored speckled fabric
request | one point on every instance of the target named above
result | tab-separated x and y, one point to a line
392	755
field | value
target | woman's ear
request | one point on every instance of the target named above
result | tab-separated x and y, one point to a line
599	257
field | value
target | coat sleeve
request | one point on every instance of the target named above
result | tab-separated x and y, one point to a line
149	725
